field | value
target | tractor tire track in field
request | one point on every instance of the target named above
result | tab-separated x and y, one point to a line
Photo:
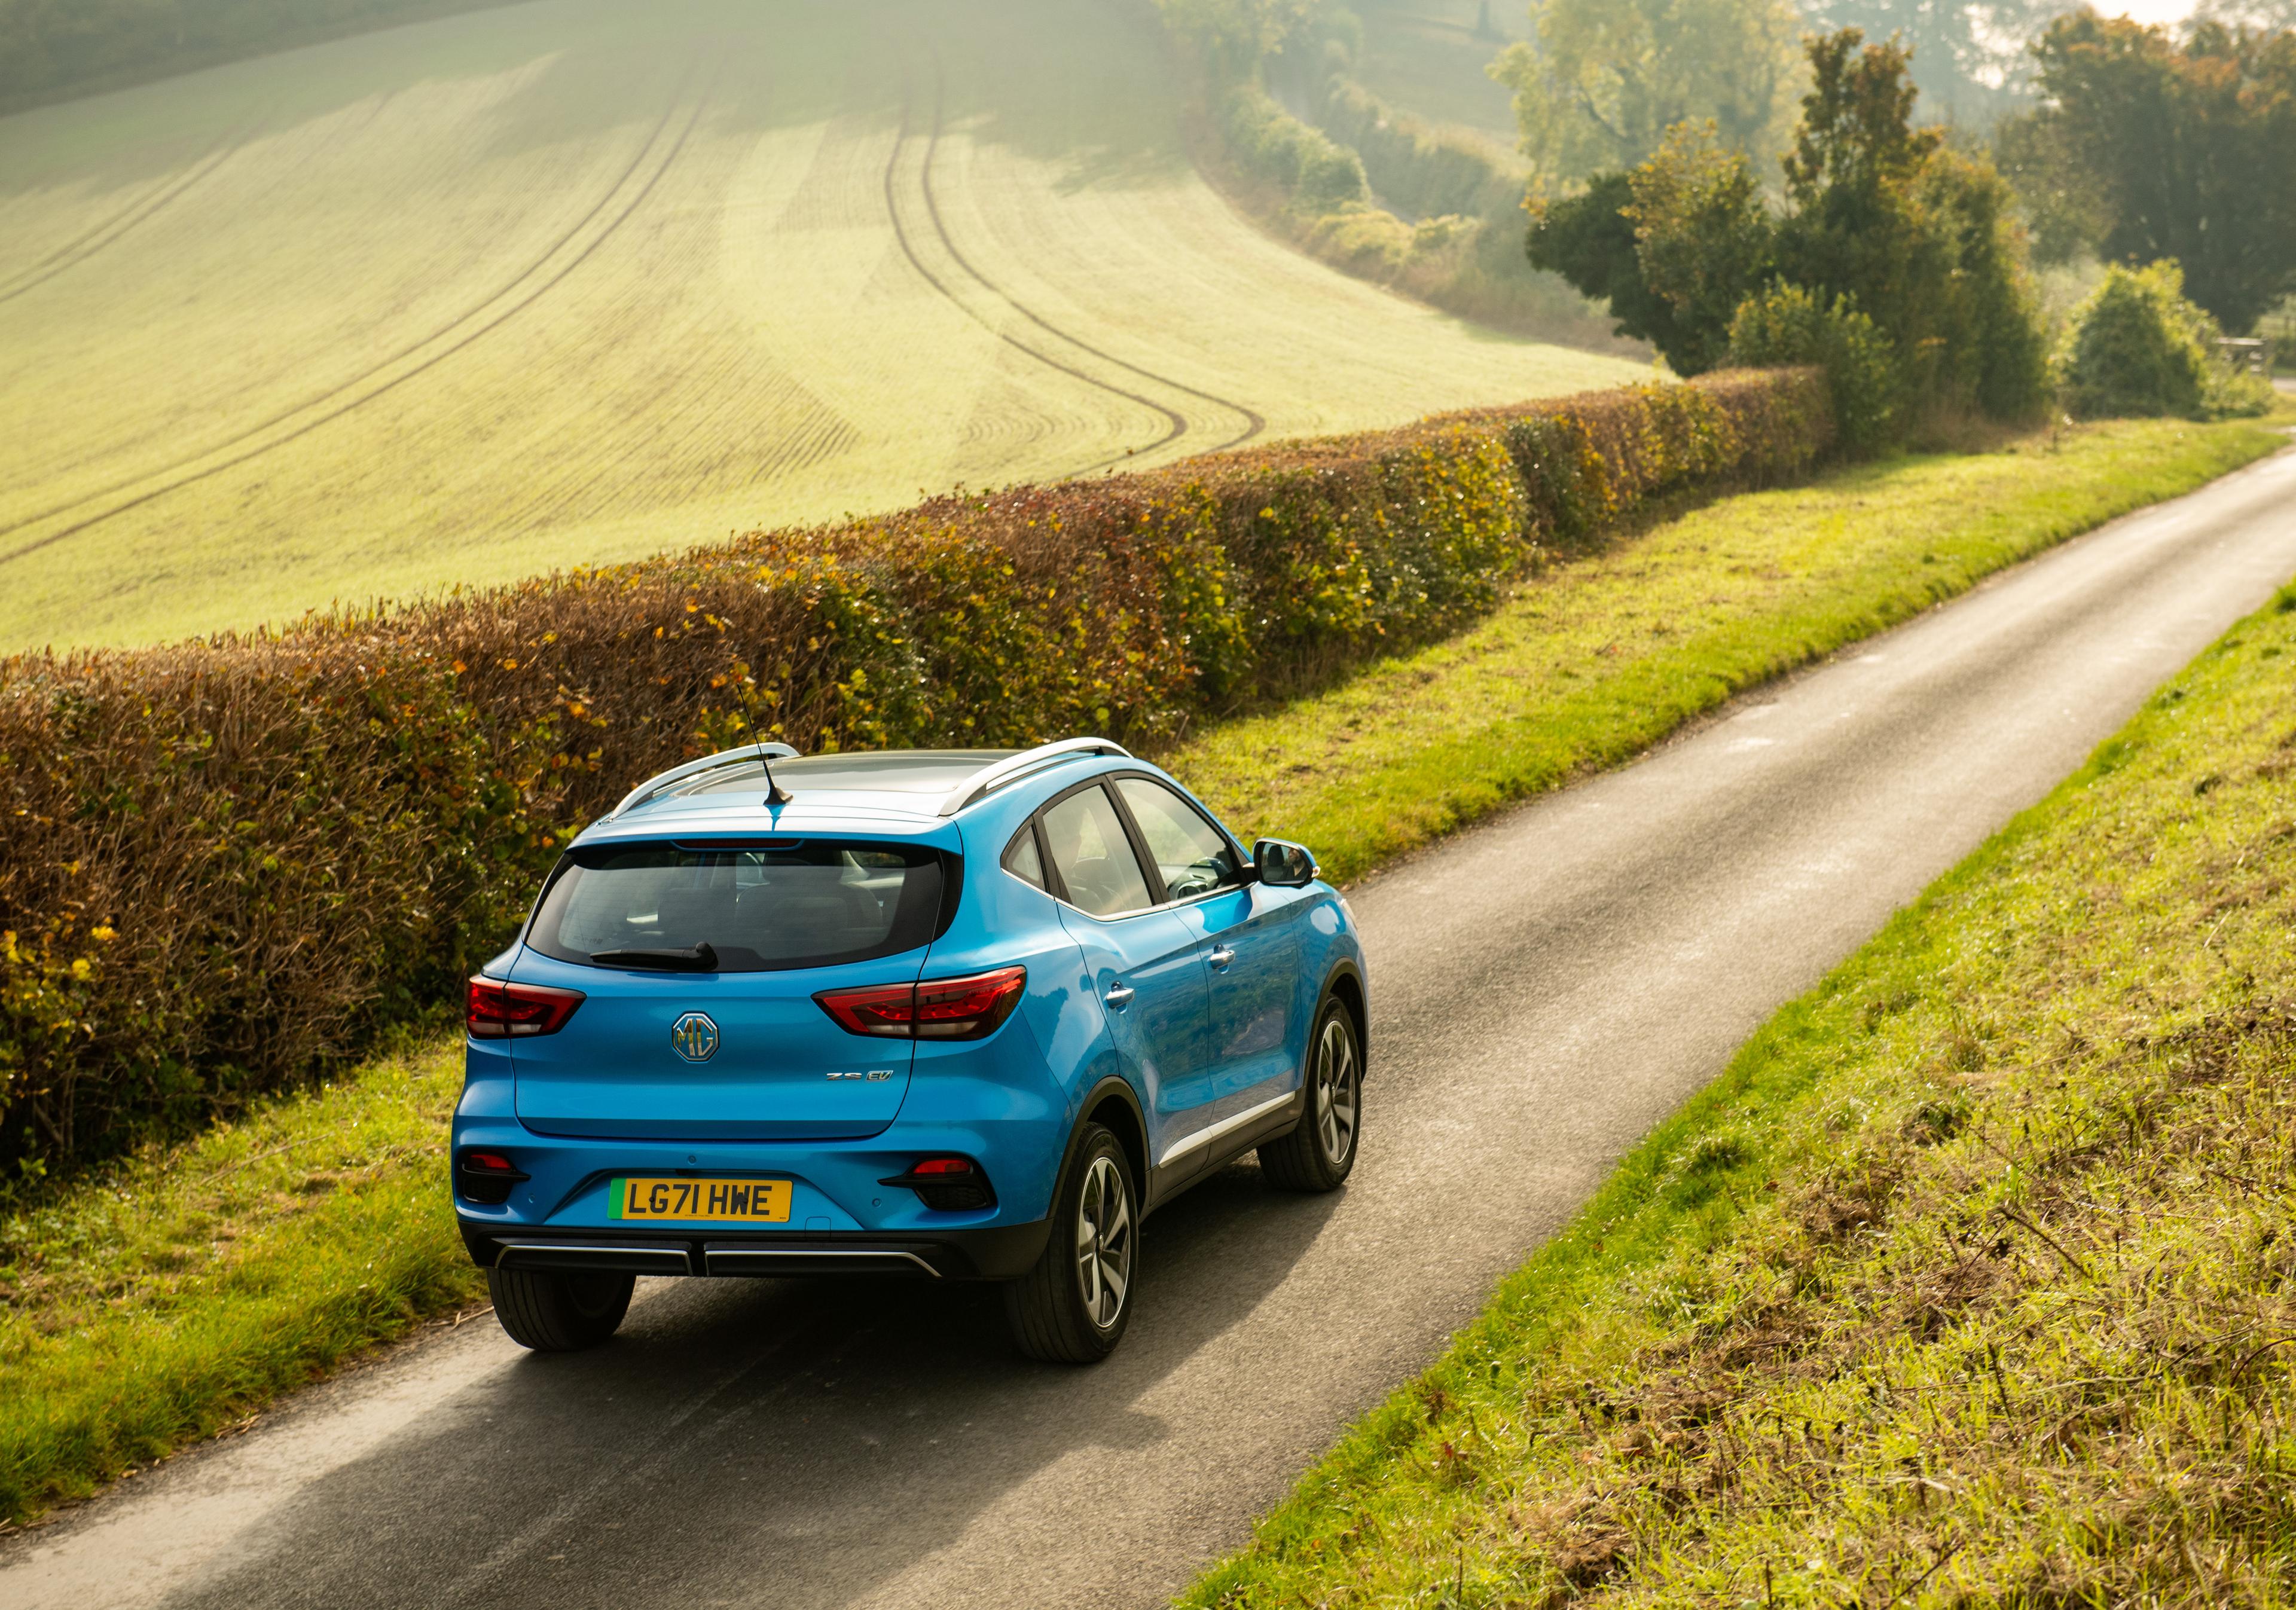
478	310
1254	422
1179	423
77	251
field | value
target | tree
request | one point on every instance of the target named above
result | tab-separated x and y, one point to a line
1914	234
1233	36
1970	59
1892	250
2150	149
1589	240
1607	79
1702	237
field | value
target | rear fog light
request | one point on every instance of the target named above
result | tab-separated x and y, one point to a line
947	1184
485	1177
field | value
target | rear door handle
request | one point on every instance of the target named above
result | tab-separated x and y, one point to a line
1119	996
1221	957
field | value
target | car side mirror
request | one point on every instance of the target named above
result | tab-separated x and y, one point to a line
1283	865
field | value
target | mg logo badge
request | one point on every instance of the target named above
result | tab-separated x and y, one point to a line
694	1037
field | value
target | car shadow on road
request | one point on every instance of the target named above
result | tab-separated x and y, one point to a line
800	1441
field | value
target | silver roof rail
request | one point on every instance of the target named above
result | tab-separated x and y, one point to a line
995	776
660	780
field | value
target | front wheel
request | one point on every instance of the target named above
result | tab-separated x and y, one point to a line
1073	1306
558	1313
1320	1152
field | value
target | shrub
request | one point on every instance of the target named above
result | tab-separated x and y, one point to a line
1787	325
1315	172
2136	346
223	864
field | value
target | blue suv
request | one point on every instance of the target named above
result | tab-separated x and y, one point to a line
950	1014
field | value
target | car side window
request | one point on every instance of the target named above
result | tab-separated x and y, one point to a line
1194	856
1093	855
1020	858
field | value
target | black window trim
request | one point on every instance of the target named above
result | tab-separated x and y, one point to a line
1150	873
952	887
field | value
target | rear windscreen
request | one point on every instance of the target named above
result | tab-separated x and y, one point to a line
809	904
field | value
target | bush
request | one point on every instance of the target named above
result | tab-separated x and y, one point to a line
1786	324
225	864
2136	346
1315	172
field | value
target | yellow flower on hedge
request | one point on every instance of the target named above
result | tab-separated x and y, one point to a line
105	933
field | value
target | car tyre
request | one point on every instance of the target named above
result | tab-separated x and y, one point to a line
552	1312
1319	1153
1072	1308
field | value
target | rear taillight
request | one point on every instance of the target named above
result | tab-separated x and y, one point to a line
940	1008
947	1184
496	1010
485	1177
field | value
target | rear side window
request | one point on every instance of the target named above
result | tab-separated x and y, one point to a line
1021	860
808	904
1093	855
1194	856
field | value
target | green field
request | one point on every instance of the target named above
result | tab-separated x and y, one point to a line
1426	58
571	281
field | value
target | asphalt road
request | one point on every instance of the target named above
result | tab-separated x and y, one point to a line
1545	988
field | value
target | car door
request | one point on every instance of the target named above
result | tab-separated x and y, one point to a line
1249	935
1145	962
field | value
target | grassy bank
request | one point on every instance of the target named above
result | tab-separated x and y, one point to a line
1594	661
1970	1282
178	1293
192	1285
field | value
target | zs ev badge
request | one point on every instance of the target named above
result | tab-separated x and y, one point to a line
694	1037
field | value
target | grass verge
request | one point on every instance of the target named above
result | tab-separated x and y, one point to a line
189	1287
1596	661
1972	1281
175	1295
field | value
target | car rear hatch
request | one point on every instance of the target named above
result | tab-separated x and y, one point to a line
699	960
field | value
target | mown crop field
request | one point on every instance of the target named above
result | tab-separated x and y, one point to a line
573	282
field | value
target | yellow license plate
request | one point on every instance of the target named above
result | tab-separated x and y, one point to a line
705	1201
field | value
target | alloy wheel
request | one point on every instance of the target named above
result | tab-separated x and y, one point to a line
1104	1242
1335	1090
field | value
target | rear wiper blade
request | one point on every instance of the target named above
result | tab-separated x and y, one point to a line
698	958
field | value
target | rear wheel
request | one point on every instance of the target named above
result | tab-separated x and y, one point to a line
1319	1154
1073	1306
558	1313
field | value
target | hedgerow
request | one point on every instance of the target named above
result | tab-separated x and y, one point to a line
225	863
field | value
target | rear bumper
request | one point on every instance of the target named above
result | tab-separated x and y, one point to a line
998	1253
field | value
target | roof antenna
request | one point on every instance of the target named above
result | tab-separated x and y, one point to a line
776	795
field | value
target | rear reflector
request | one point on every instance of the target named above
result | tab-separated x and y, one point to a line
496	1010
942	1008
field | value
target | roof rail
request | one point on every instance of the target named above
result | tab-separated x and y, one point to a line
661	781
994	776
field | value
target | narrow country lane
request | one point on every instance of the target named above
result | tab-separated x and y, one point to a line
1545	988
